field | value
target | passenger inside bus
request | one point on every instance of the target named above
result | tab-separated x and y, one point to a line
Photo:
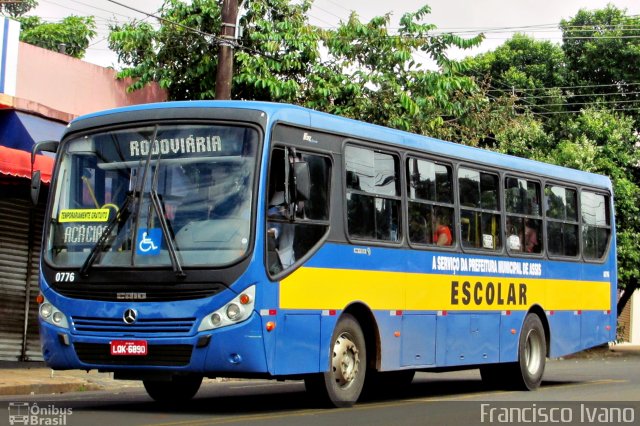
530	238
442	232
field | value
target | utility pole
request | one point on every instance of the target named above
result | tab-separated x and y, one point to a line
225	50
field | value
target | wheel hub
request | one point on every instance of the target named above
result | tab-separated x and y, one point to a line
532	351
345	361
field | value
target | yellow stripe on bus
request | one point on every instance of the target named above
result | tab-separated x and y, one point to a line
325	288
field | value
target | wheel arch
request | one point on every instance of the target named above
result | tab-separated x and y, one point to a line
537	310
363	314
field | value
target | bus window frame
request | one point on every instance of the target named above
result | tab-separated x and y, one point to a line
566	185
273	145
454	196
481	168
543	232
386	149
610	227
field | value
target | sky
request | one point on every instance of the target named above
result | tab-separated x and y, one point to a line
498	19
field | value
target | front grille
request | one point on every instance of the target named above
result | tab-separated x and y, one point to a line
165	355
109	293
142	326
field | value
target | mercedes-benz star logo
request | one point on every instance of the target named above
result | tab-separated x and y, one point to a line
129	316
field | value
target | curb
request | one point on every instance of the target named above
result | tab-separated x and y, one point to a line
47	388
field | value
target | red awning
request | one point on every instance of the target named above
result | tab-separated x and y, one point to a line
16	162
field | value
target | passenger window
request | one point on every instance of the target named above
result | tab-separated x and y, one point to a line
373	194
297	208
562	220
479	209
431	212
596	225
524	216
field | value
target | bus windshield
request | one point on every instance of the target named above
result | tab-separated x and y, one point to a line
157	195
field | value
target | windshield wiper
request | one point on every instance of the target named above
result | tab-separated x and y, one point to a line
120	217
164	225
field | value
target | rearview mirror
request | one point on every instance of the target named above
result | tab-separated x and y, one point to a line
36	178
35	186
302	180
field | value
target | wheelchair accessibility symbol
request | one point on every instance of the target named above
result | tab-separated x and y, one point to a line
148	241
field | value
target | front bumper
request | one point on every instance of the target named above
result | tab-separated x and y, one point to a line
236	349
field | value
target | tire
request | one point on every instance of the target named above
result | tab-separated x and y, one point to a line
178	389
527	372
532	353
342	385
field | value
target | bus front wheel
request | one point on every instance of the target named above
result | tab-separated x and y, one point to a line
178	389
342	384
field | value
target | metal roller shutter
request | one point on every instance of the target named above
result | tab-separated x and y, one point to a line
14	252
16	268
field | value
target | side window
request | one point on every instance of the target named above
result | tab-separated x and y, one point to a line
297	205
596	225
479	209
524	215
562	220
431	212
373	194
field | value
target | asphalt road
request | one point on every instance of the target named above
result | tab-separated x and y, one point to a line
574	391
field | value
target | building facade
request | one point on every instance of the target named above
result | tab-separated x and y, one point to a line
40	92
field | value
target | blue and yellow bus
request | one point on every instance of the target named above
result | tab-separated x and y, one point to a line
245	239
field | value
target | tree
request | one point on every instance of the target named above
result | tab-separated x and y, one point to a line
528	69
364	72
602	50
180	55
17	8
75	32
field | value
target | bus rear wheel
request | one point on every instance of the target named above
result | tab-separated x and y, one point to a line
526	373
178	389
342	384
532	353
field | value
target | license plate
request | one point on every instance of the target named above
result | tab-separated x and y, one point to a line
129	347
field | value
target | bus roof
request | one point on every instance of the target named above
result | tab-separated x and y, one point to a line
300	116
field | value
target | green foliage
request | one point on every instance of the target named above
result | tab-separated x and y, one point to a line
181	60
602	47
365	71
528	69
15	10
74	31
384	84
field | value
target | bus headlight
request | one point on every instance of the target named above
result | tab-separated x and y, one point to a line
46	309
233	311
52	315
237	310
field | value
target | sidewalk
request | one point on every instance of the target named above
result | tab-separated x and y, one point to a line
26	378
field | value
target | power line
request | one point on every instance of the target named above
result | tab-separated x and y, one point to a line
592	103
580	111
583	95
528	89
